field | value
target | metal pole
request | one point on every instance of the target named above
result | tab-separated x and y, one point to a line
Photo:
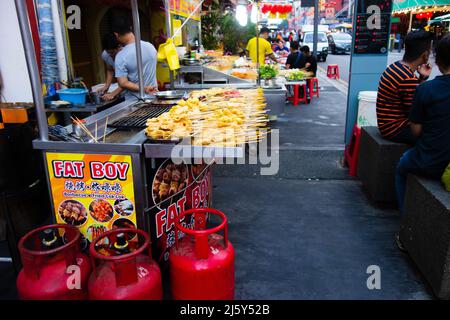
169	34
410	21
316	27
258	80
137	36
33	70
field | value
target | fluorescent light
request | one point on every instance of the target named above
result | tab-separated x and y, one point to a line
254	13
241	14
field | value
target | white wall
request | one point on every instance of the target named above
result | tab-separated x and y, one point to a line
13	67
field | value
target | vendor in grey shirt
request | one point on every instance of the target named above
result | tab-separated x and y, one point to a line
125	63
110	49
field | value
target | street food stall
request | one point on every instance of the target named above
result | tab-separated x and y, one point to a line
219	71
143	161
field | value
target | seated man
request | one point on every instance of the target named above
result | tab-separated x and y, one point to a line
308	62
397	86
281	48
294	58
430	122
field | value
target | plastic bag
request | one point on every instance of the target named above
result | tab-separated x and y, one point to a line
167	51
446	178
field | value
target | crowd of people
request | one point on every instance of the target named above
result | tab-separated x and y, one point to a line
415	111
297	58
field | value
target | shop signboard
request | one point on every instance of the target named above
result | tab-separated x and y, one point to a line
172	189
373	18
184	8
94	192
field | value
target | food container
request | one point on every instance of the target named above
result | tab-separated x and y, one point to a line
168	95
191	61
75	96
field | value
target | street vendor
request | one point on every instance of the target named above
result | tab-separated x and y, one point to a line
125	64
110	49
265	48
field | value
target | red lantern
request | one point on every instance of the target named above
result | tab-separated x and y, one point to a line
269	8
263	9
275	8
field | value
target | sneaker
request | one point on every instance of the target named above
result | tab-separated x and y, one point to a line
399	243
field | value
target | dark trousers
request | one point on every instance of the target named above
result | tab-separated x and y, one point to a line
410	164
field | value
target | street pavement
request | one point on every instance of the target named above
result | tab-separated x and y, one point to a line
310	232
343	61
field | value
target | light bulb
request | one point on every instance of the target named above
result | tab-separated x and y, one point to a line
241	14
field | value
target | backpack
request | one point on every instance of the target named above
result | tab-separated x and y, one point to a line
446	178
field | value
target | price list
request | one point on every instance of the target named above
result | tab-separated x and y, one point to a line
372	27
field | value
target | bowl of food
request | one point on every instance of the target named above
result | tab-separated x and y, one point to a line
101	210
72	212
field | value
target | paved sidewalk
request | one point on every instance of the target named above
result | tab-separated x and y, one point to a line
309	232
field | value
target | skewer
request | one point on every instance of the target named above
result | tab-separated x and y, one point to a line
84	128
104	133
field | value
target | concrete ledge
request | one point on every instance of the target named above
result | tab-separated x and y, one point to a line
377	163
425	231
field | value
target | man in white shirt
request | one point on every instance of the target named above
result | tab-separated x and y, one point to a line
125	64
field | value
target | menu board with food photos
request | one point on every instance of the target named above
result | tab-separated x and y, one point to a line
93	192
372	22
172	189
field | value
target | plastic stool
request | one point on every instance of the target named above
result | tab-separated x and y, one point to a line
351	152
296	98
314	88
333	71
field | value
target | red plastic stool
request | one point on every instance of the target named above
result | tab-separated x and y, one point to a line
333	71
351	152
296	98
313	88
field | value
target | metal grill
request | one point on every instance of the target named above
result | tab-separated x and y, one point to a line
138	118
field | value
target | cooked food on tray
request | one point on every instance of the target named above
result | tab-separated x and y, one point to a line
216	117
72	212
101	210
123	207
169	180
96	230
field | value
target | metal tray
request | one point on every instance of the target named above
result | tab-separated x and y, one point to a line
168	95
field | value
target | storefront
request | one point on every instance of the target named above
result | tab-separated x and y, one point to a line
420	14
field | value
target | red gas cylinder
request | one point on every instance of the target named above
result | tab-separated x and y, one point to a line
53	266
122	271
202	263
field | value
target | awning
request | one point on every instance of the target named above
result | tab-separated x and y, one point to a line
444	18
408	4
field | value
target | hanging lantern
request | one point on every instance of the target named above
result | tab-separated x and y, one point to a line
276	9
264	9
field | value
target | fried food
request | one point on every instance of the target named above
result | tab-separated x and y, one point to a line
216	116
72	212
101	210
